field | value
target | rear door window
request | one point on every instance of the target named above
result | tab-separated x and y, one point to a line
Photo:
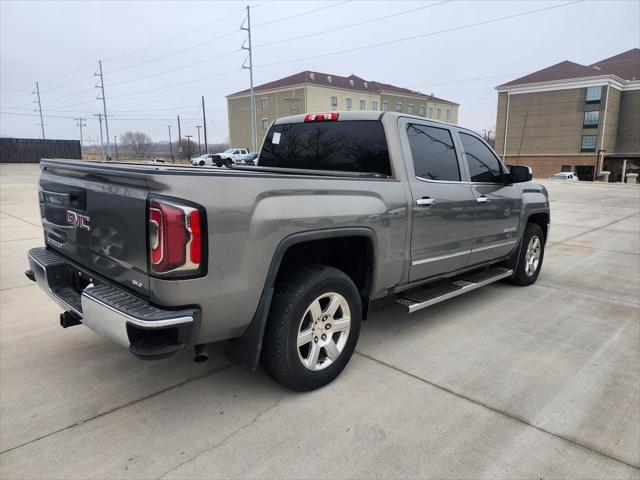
484	167
434	156
348	146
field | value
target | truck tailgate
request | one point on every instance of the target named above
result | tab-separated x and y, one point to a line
97	216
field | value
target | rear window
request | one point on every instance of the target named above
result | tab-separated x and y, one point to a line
350	146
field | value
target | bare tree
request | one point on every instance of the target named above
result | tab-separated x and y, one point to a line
138	143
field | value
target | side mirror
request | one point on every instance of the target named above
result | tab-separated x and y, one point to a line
519	173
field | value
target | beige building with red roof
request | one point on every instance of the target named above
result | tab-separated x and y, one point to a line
572	117
309	91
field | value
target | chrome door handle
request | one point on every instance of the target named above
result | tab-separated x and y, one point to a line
425	201
482	199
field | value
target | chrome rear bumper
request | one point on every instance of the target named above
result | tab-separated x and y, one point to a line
112	311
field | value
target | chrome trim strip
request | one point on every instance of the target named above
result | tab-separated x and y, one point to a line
497	245
441	257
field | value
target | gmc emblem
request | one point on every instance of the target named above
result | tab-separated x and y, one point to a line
78	221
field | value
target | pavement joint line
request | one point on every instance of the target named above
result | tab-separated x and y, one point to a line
119	407
594	229
21	219
20	239
595	297
225	439
18	286
601	249
496	410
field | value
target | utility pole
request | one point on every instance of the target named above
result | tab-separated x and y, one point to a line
99	115
115	142
37	92
204	121
180	139
250	68
104	106
170	147
199	149
81	123
189	137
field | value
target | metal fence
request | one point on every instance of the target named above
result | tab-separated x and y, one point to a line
31	150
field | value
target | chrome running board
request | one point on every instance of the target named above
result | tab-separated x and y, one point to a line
419	298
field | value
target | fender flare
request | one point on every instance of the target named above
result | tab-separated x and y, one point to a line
245	350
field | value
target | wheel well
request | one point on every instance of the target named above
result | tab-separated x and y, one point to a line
541	219
353	255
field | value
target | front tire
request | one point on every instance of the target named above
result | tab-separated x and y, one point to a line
313	327
530	257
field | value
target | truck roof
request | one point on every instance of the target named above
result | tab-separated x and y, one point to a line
350	115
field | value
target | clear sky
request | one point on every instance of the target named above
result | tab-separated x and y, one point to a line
159	58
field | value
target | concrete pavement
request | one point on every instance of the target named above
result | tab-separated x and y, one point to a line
504	382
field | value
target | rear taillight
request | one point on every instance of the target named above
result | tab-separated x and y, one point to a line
175	238
321	117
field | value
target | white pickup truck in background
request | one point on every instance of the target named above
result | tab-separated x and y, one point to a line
228	157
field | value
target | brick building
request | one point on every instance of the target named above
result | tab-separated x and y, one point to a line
572	117
308	91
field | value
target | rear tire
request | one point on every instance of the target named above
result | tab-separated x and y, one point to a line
313	327
530	257
202	163
228	163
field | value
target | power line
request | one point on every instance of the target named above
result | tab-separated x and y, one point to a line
174	53
423	35
153	75
335	29
179	84
300	14
110	59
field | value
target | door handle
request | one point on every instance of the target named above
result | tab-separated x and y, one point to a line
482	199
425	201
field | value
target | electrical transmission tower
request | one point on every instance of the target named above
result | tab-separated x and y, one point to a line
104	107
250	68
37	100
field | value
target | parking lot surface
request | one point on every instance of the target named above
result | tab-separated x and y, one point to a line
504	382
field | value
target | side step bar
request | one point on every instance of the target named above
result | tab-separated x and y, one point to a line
419	298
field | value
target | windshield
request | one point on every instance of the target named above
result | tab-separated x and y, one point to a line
349	146
559	176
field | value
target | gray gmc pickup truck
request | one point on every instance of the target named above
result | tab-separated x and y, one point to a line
281	260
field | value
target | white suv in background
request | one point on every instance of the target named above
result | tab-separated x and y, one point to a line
565	176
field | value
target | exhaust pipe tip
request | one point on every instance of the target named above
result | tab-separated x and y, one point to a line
201	354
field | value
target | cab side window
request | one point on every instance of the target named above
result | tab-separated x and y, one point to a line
483	165
434	156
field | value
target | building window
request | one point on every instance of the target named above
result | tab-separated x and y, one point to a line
264	103
439	114
422	110
410	109
334	101
448	115
591	119
594	94
398	107
312	76
430	112
329	79
374	105
588	143
565	168
366	85
363	104
351	82
265	123
385	106
348	102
